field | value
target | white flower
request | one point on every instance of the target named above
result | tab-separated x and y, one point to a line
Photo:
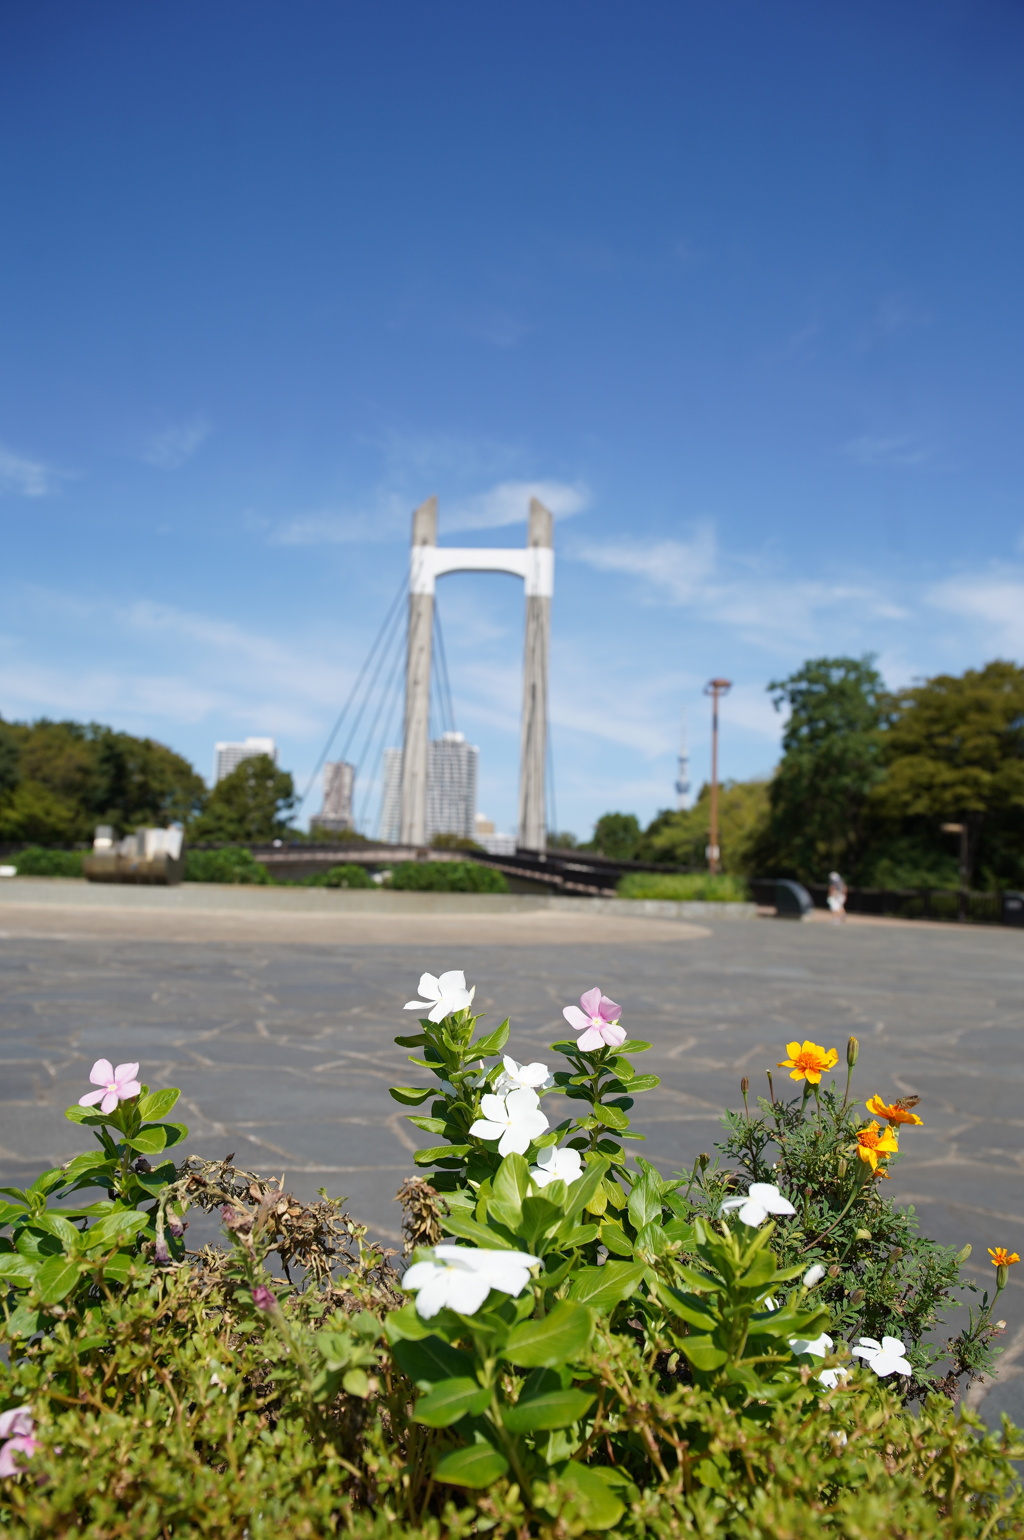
885	1357
516	1077
442	996
819	1346
515	1120
830	1378
461	1277
554	1165
762	1199
813	1275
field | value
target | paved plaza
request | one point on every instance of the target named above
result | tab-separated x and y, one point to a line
281	1039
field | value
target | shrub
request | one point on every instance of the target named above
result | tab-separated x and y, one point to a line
580	1346
230	864
36	862
349	875
722	888
447	877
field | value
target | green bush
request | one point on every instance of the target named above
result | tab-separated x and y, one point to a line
684	886
447	877
349	875
231	864
581	1346
36	862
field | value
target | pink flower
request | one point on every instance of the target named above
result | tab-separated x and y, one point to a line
597	1018
16	1426
116	1085
263	1298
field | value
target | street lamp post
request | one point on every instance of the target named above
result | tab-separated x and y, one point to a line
963	829
716	688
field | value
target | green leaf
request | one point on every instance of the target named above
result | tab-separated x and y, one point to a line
157	1104
585	1186
638	1083
405	1325
558	1337
357	1383
56	1225
450	1400
691	1308
431	1360
644	1203
610	1116
468	1229
9	1211
411	1095
439	1152
494	1042
602	1288
87	1115
17	1269
477	1466
615	1238
578	1235
94	1161
703	1352
149	1141
24	1322
55	1278
415	1041
115	1229
592	1493
555	1409
16	1192
117	1267
633	1045
429	1125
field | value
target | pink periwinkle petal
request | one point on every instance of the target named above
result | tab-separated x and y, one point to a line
608	1010
102	1072
126	1074
591	1001
109	1101
614	1034
591	1039
128	1088
21	1444
92	1097
575	1017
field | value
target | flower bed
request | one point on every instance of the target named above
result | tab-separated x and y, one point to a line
576	1344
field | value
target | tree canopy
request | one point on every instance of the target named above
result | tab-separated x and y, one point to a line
251	804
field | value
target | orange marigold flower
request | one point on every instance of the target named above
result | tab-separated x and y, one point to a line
874	1144
1002	1258
808	1062
894	1114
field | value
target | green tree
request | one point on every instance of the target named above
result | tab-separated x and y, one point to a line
250	804
832	759
616	835
954	752
681	838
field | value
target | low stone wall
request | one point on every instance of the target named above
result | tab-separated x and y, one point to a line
194	897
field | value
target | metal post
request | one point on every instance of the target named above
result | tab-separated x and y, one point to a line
715	688
534	727
417	675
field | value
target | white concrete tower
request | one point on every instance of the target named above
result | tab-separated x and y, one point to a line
416	735
533	743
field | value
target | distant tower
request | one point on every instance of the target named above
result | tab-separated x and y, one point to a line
339	790
451	786
228	756
683	774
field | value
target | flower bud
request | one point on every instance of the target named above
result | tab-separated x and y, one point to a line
857	1297
1002	1273
834	1270
842	1166
813	1275
703	1160
744	1086
852	1050
161	1254
176	1226
963	1254
862	1235
263	1298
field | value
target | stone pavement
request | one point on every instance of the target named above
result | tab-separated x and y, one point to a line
282	1044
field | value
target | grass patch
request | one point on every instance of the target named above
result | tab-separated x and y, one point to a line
684	887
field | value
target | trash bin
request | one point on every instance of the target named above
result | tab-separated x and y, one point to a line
1013	909
792	900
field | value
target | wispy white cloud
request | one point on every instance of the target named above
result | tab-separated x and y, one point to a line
173	445
22	477
881	450
509	503
680	568
993	602
387	517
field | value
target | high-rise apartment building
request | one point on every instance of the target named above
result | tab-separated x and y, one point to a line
339	794
391	797
451	786
228	756
451	789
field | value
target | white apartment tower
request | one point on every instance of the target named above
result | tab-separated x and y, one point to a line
339	794
451	789
228	756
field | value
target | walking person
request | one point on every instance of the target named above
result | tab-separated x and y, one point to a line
837	897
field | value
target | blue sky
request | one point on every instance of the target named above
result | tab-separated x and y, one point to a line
735	287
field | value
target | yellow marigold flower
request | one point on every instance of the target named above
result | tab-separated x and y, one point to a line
874	1145
894	1114
1002	1258
808	1062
